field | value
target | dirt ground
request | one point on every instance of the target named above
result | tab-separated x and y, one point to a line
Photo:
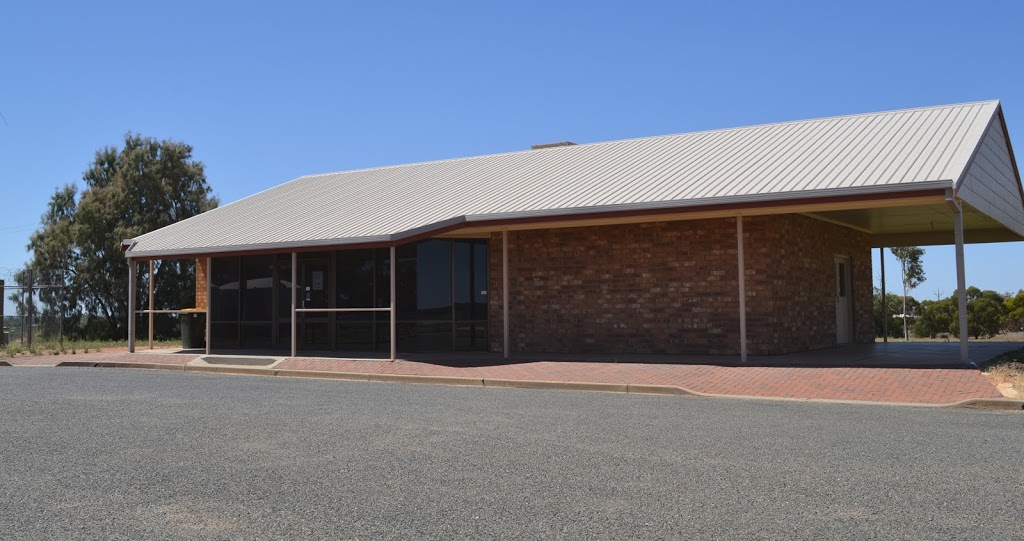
1004	337
1007	373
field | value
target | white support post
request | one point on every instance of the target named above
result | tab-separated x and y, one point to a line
295	300
152	266
394	305
209	305
961	281
742	281
131	305
504	293
885	304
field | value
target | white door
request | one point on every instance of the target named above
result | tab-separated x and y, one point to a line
843	307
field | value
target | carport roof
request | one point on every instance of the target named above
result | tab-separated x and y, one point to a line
849	161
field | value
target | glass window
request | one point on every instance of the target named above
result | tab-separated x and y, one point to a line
463	286
355	331
284	288
258	295
314	328
425	281
382	292
425	296
313	332
355	272
257	335
225	335
471	336
224	286
442	298
284	333
470	292
356	279
314	280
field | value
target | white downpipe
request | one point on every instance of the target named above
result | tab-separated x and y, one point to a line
131	305
742	281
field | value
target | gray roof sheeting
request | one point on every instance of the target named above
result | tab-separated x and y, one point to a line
889	151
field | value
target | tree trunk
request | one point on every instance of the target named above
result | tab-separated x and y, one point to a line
906	334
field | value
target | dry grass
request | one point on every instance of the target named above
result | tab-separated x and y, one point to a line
1007	373
73	347
1003	337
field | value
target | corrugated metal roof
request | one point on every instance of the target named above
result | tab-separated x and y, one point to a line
889	151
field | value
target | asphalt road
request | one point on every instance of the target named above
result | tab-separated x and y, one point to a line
132	454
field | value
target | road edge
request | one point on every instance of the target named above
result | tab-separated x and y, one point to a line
1002	404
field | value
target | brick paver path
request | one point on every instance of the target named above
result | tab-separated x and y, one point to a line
921	385
933	386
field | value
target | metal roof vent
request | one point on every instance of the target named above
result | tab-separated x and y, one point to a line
553	145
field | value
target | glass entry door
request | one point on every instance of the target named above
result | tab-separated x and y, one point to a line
470	295
314	292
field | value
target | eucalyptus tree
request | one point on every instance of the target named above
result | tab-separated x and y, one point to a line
144	185
912	275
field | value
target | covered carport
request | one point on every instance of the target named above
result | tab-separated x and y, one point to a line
984	204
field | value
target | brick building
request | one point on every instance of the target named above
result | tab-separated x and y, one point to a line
741	241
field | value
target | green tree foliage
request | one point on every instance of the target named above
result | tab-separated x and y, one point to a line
913	275
143	186
894	304
52	264
936	317
986	315
1014	306
985	312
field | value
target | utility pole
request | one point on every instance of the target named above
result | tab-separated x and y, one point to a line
61	305
29	308
938	294
3	337
885	300
24	312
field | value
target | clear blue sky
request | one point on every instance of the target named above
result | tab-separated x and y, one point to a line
266	92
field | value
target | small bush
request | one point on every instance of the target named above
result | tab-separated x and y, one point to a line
1008	368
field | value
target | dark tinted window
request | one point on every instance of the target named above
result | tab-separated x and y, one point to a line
470	293
224	285
258	295
284	287
355	274
425	296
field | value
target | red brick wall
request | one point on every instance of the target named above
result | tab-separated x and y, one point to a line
201	283
791	283
671	287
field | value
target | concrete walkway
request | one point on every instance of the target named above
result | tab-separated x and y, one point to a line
924	373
